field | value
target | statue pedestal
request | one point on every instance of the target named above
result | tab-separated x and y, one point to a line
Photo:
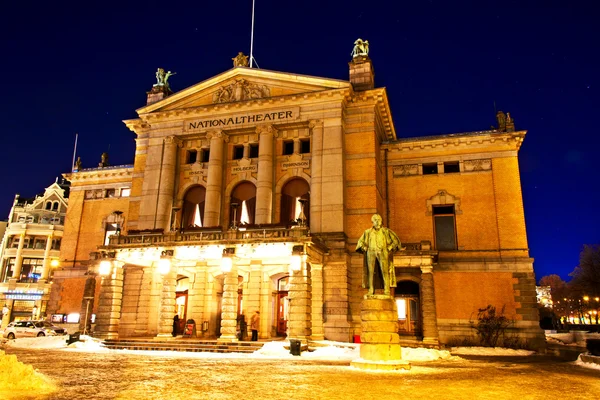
380	348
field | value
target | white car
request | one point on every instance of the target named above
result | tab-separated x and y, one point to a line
31	329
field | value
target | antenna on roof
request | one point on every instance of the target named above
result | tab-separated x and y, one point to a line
74	152
252	39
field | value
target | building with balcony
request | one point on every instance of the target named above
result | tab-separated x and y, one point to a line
249	191
30	248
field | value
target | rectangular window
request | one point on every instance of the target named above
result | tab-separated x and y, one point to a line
192	155
288	147
31	269
254	150
55	244
305	146
444	227
15	242
110	193
430	169
111	229
238	152
451	167
39	243
125	192
205	155
89	194
9	269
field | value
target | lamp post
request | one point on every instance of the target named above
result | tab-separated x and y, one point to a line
87	308
34	311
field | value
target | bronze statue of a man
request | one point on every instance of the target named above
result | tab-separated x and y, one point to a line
378	244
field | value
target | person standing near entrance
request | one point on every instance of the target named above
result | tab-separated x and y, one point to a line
254	322
175	325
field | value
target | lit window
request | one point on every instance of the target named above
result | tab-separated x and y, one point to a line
73	318
125	192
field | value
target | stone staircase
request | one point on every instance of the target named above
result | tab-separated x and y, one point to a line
179	344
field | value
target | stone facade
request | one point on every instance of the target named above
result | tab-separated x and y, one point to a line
281	182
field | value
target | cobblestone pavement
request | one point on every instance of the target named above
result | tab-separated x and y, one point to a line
112	375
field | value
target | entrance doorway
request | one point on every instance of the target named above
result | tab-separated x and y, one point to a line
283	305
409	310
181	300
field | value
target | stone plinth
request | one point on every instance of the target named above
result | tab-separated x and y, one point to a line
380	348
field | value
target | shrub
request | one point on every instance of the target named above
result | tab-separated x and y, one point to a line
491	325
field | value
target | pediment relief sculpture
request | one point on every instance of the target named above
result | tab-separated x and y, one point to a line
240	90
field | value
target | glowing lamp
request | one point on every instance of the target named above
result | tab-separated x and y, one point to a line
296	263
226	264
54	263
586	298
105	267
164	266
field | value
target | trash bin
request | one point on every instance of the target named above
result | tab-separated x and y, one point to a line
295	347
74	337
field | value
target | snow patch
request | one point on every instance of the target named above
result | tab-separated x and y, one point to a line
43	342
490	351
18	379
420	354
584	364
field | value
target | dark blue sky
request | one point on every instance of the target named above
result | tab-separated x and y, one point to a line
83	68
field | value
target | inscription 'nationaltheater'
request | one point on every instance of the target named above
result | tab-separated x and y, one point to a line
222	122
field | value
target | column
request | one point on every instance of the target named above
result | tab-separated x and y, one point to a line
430	331
6	317
264	186
46	268
229	307
214	180
167	304
109	304
316	203
166	182
299	324
316	274
19	258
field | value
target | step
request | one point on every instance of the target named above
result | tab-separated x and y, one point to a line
178	345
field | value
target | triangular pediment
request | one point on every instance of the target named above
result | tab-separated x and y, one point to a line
243	84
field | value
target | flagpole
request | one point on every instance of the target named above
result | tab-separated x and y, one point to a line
74	152
252	36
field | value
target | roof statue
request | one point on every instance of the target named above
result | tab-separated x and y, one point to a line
240	60
103	160
361	48
78	164
162	78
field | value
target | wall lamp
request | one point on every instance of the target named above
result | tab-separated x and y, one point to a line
298	255
164	264
227	259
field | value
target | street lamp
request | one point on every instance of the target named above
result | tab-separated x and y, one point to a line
87	308
34	311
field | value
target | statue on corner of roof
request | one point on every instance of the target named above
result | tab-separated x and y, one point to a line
378	244
361	48
103	160
78	164
240	60
162	78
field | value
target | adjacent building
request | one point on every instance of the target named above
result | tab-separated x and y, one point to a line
248	192
30	249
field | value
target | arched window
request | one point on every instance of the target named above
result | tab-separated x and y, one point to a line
193	207
295	197
243	204
55	206
48	205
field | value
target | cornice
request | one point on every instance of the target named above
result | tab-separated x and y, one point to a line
99	173
466	139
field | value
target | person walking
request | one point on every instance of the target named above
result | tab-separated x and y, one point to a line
254	322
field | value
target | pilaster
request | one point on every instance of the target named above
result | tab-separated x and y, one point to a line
316	274
430	330
214	181
19	258
299	324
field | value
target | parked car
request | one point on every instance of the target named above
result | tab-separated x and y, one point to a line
31	329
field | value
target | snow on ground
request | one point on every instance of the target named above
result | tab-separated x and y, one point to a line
17	379
573	338
86	343
584	364
490	351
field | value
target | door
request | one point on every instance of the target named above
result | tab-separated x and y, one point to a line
282	313
408	315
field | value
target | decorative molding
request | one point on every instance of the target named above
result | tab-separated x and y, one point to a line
442	197
265	128
173	140
240	90
478	165
218	134
406	170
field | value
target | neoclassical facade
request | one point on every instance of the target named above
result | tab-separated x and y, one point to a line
248	192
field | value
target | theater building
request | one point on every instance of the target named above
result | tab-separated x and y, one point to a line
248	192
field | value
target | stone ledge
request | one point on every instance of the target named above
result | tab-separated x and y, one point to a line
394	365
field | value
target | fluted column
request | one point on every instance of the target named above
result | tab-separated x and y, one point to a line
19	258
167	182
430	331
214	181
46	268
299	325
167	304
264	186
229	307
109	304
316	179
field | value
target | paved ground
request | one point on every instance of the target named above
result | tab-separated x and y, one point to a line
126	376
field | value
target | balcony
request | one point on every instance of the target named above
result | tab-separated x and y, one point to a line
270	233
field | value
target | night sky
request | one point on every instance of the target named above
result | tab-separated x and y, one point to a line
83	68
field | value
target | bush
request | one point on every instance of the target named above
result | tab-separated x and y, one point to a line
491	325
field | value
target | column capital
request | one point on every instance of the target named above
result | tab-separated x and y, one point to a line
315	123
173	140
219	134
426	269
266	128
